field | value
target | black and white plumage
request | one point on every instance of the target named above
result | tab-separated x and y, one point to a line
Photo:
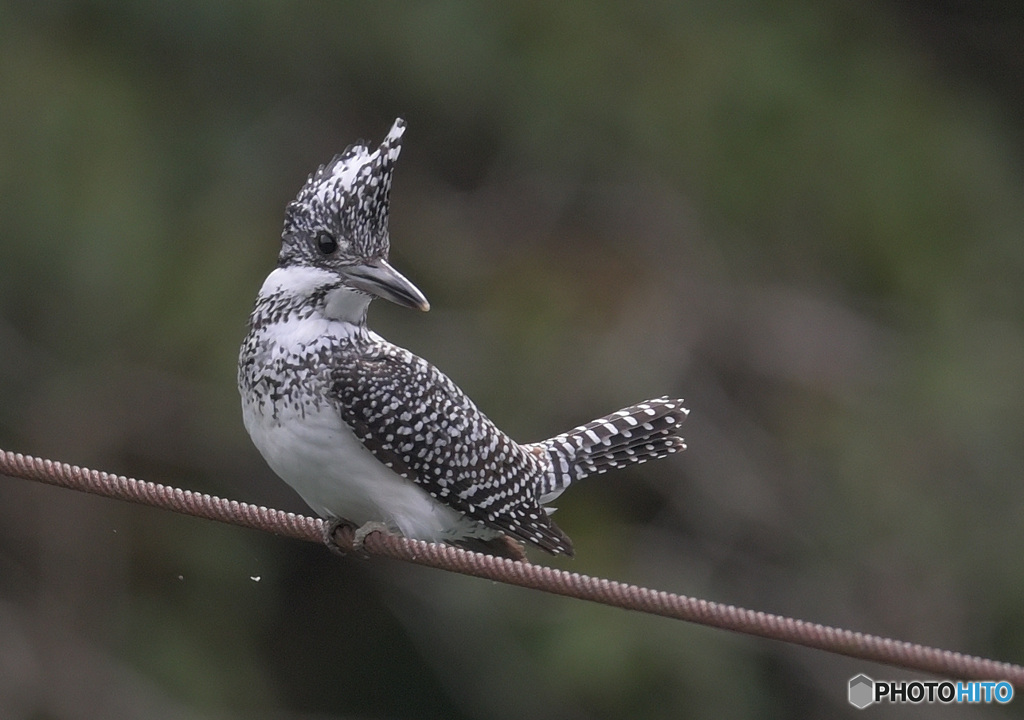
366	431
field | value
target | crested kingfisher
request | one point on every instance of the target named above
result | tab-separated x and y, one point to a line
367	432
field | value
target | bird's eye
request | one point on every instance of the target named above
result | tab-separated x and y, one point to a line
326	243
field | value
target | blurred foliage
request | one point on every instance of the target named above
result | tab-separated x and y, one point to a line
804	218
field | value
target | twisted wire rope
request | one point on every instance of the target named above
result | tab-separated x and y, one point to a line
864	646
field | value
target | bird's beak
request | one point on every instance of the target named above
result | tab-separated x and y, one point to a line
378	278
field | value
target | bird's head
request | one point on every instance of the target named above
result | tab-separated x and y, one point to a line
339	222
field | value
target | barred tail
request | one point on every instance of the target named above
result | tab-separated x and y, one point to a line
635	434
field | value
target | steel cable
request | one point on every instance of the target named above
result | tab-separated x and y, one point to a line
524	574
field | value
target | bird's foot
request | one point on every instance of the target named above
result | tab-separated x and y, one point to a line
330	527
364	531
357	533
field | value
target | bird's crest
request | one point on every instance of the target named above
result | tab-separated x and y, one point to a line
348	197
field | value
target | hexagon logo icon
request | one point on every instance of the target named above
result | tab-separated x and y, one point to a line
862	691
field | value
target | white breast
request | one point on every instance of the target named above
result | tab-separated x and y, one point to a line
320	457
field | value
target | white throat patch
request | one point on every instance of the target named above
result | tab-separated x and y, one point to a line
347	305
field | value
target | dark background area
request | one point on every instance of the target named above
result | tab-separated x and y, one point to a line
806	218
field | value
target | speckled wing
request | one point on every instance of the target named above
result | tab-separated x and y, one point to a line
417	422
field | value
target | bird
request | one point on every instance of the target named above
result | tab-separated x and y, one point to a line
373	436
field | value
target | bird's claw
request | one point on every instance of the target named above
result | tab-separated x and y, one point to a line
364	531
329	528
359	535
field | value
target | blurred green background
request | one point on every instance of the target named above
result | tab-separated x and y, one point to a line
806	218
